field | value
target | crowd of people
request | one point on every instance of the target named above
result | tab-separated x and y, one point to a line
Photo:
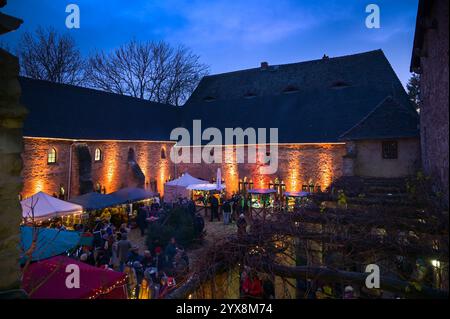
151	274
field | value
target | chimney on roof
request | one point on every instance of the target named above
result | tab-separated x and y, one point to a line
264	65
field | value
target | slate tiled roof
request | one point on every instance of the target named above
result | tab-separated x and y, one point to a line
66	111
313	101
388	120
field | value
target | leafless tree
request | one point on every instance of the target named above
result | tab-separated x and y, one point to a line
148	70
333	245
47	55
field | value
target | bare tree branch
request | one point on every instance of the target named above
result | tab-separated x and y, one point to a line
45	55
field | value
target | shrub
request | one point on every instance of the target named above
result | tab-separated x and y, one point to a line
177	223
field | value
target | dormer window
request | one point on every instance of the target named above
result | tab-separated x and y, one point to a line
209	98
339	84
290	89
249	95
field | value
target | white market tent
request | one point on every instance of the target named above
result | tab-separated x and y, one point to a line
218	186
46	206
206	187
178	187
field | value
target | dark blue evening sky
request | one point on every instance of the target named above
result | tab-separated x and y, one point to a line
231	35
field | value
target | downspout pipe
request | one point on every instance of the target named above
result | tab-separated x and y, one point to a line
69	186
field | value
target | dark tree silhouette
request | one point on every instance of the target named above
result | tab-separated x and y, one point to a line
47	55
147	70
413	88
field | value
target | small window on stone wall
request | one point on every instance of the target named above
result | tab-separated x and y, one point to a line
97	155
390	149
51	156
163	153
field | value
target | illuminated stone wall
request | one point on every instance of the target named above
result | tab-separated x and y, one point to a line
112	172
40	176
298	165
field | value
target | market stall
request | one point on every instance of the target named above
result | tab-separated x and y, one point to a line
202	192
262	202
131	199
132	195
95	201
294	199
103	206
42	207
177	188
48	242
47	279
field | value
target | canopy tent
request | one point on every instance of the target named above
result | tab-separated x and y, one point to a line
45	206
178	187
46	279
206	187
131	194
94	200
261	191
49	241
296	194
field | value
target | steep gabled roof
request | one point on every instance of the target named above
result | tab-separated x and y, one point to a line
387	120
67	111
309	102
330	96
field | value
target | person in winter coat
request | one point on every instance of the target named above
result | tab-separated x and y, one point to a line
252	287
214	208
226	207
123	248
199	224
141	220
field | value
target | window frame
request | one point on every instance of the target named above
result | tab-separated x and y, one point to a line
388	148
52	156
100	153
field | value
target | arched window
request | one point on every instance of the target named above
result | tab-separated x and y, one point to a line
51	156
97	155
163	153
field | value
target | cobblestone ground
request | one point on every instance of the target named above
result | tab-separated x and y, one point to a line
215	231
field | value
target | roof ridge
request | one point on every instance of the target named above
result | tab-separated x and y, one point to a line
300	62
84	88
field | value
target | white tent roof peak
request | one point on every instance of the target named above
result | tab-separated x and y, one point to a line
206	187
46	206
185	180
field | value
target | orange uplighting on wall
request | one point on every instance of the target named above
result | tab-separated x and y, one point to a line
110	178
325	162
293	179
163	174
38	186
230	170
